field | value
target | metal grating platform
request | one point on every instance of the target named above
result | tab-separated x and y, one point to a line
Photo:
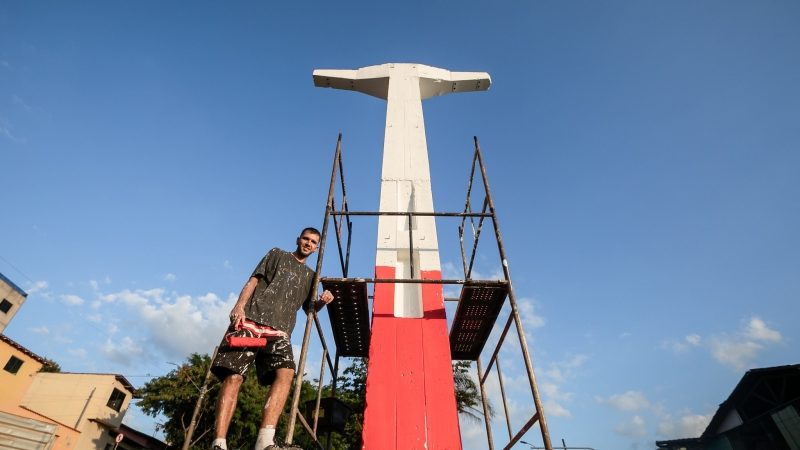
478	307
349	315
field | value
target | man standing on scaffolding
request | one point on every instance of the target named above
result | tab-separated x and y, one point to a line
267	307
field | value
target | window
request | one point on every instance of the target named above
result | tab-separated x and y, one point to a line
13	365
116	399
5	306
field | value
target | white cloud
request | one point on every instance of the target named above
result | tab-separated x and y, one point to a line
38	286
740	350
687	426
758	330
473	435
169	325
693	339
734	352
170	277
556	409
449	271
70	299
5	130
96	318
78	353
627	401
41	330
633	428
737	350
559	372
552	382
125	352
60	338
21	103
528	315
227	265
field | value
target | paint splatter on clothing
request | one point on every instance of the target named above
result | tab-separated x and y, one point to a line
276	355
284	285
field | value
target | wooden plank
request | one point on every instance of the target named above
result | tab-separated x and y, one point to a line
380	428
411	406
442	415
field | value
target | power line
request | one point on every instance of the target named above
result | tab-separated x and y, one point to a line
15	268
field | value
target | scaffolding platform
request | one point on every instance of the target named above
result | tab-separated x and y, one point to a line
349	316
478	308
479	303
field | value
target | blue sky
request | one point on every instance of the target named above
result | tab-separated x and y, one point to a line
643	158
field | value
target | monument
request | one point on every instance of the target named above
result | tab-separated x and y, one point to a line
410	399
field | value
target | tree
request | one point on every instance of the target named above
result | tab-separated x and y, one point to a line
174	395
468	398
50	366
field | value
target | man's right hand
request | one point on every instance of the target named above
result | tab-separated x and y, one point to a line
236	316
237	313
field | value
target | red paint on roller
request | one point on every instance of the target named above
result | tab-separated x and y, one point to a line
244	341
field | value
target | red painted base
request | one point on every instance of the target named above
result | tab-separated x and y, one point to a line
410	394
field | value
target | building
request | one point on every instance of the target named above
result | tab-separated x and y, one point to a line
62	411
11	299
760	414
92	403
19	424
136	440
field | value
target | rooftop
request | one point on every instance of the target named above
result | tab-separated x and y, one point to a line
13	286
19	347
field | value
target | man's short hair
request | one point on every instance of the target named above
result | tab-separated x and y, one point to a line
311	230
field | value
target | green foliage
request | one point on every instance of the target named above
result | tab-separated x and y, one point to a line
174	395
468	398
50	366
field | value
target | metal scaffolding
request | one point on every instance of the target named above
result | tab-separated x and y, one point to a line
479	303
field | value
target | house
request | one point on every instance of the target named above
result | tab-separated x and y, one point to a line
760	414
136	440
11	299
62	411
92	403
17	423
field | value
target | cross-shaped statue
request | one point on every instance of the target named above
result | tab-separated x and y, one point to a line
410	394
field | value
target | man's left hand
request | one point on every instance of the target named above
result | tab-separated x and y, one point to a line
326	297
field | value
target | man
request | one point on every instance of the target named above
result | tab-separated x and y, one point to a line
278	287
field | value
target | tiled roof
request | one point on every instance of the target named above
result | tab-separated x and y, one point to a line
19	347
